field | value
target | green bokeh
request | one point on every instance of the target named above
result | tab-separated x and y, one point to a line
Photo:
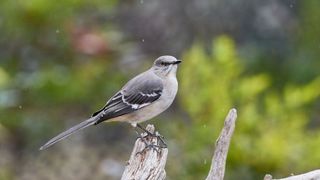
50	80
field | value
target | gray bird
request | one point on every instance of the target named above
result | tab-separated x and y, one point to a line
142	98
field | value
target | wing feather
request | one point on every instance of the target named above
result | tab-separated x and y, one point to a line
134	96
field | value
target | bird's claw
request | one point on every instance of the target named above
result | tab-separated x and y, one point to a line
144	138
150	146
160	142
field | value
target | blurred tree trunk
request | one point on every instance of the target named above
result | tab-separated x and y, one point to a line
222	146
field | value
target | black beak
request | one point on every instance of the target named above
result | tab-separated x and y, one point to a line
177	62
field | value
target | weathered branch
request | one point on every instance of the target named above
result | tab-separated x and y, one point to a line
146	164
222	145
312	175
150	164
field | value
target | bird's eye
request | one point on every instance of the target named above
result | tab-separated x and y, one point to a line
164	63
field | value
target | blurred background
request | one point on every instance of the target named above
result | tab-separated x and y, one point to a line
61	61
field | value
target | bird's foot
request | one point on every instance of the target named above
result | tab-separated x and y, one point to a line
150	143
149	146
160	139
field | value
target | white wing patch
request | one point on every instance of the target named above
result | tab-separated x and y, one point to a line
149	95
134	106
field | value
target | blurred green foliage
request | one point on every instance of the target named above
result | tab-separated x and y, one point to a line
60	61
273	132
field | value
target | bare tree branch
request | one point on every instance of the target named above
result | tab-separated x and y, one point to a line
312	175
222	145
149	164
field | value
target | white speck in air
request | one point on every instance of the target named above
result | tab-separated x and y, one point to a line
57	31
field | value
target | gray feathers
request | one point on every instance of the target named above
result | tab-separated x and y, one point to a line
136	94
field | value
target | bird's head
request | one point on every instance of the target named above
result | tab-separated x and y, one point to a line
165	65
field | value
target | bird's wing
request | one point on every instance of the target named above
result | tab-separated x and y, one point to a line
140	92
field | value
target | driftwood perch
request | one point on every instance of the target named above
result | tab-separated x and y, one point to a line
312	175
149	164
222	145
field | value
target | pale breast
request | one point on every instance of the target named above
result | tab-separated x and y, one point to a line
170	90
163	103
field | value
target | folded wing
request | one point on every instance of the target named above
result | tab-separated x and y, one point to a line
130	99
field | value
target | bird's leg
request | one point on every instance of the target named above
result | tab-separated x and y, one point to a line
146	131
160	138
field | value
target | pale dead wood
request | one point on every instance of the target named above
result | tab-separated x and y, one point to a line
312	175
148	165
222	145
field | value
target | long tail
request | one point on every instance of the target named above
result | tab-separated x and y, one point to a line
70	131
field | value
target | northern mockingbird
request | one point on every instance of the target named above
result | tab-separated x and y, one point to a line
142	98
